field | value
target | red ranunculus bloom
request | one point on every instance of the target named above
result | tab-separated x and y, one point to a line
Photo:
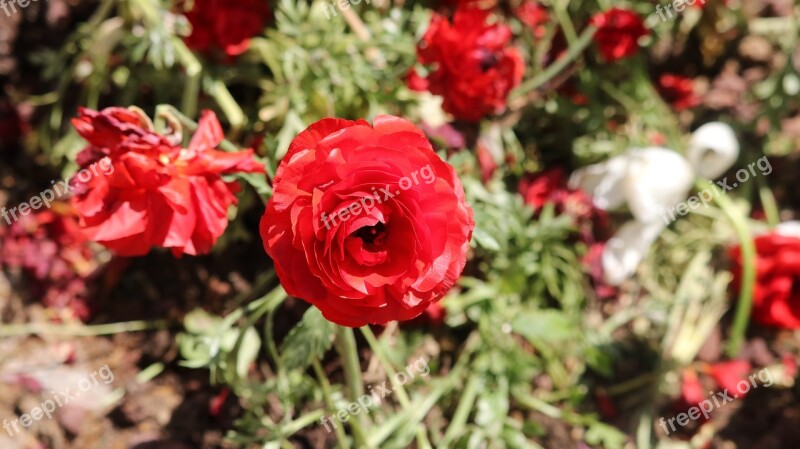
472	66
366	223
776	296
226	25
149	191
677	91
618	33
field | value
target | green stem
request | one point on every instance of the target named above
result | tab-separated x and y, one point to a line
402	395
769	204
301	422
328	397
456	426
556	67
194	70
348	351
346	343
562	15
228	105
70	330
744	305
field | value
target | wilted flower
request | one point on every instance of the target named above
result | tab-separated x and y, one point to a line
158	194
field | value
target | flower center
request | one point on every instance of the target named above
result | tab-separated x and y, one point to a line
372	235
488	60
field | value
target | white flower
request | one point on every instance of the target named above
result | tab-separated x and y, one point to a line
713	149
789	229
648	180
623	252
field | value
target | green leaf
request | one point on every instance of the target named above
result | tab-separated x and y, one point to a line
485	240
310	339
543	326
610	437
248	352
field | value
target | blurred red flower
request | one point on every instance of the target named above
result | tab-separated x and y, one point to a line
677	91
155	193
618	33
550	187
534	16
593	264
728	374
351	233
225	25
776	296
486	162
472	66
50	249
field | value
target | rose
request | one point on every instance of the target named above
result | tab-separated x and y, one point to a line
618	33
152	192
776	294
352	234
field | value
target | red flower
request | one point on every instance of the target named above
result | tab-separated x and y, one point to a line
593	264
677	91
152	192
534	15
472	66
618	33
226	25
776	296
692	392
550	187
367	223
485	161
728	374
